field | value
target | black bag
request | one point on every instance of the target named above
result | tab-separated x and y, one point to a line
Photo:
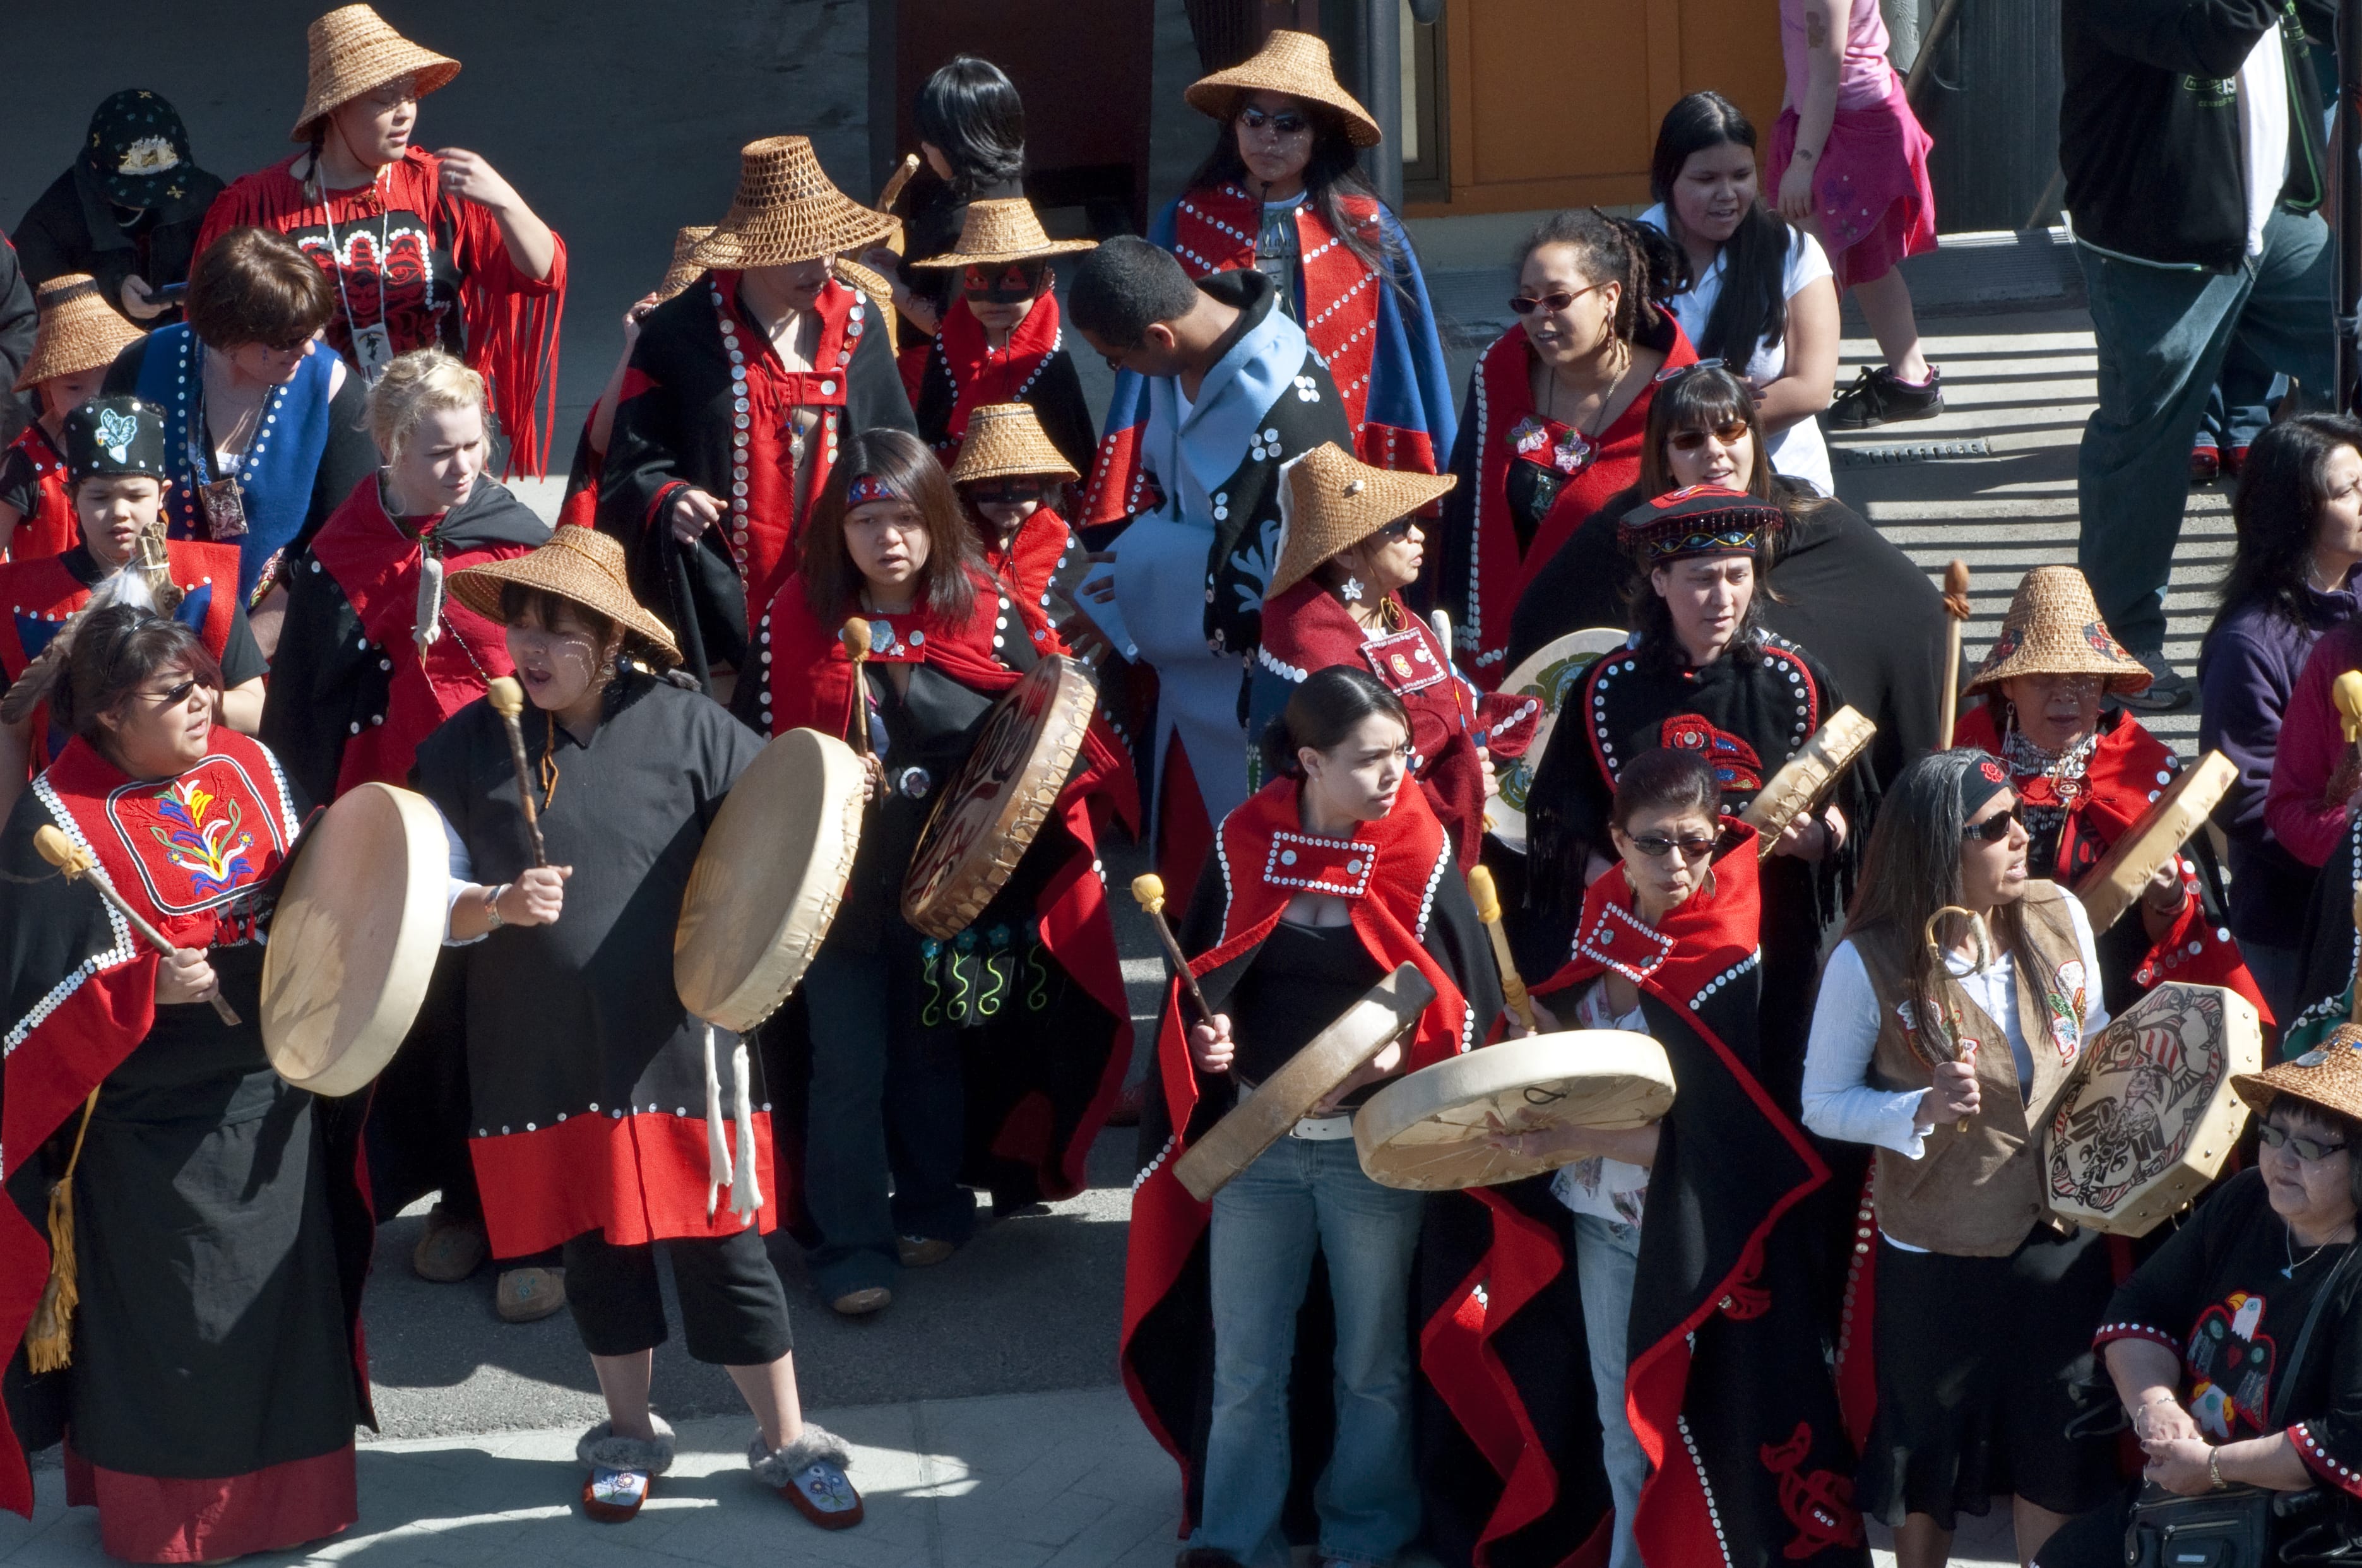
2231	1527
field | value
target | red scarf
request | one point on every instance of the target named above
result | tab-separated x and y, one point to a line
1713	932
980	373
1025	568
50	526
811	682
377	565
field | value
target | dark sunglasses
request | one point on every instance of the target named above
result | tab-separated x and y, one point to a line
1005	492
1397	531
1729	434
175	696
1013	284
1550	303
2303	1147
1995	831
1287	122
1656	847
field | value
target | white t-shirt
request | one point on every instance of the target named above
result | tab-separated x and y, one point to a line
1798	451
2263	132
1610	1189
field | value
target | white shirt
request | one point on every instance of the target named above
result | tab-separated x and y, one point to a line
1798	451
1611	1189
2263	131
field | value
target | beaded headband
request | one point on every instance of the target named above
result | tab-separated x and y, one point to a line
867	487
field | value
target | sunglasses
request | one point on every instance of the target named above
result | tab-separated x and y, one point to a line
1656	847
1007	492
2303	1148
1997	830
1012	284
1397	531
1287	122
1550	303
174	696
1729	434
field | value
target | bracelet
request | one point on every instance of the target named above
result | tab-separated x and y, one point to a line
2214	1467
492	920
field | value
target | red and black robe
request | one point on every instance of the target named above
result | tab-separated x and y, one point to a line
221	1234
33	480
708	402
1043	554
1407	905
1725	1382
961	371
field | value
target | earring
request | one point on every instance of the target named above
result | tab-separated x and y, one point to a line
1350	590
1627	869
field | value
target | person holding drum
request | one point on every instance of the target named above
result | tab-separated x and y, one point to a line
373	655
988	1058
203	1209
1641	1231
2236	1349
1354	544
2085	776
1328	878
1950	1017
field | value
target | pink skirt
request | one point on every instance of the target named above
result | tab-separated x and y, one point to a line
1869	192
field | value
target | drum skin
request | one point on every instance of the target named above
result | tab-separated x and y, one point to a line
768	879
1553	672
2109	889
354	940
2145	1122
1807	777
1432	1131
986	817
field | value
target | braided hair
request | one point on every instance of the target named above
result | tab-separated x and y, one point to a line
1648	265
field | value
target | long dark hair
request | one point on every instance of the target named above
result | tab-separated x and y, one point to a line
2276	511
116	651
902	462
1335	171
1648	265
1751	312
970	111
1321	713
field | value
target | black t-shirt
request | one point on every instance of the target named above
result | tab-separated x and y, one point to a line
1302	979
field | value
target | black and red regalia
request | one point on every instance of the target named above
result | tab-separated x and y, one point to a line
708	402
433	269
1407	905
33	480
220	1232
1725	1384
1041	554
961	371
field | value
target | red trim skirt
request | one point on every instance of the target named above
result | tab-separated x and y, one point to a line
151	1519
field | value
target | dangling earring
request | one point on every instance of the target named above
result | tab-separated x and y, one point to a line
1350	590
1626	867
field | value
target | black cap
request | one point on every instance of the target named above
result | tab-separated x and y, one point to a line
110	436
1703	520
139	149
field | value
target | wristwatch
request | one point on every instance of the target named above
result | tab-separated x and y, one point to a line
492	920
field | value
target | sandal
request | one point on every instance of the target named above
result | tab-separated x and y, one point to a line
623	1469
809	1472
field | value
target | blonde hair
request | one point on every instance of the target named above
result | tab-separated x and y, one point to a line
416	384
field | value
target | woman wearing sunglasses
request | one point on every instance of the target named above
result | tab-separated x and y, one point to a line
1949	1019
1282	192
1644	1231
2086	775
1353	543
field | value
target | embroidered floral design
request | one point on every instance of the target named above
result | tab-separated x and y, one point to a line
1252	566
211	847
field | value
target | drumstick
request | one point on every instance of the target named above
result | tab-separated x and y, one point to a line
1149	888
507	699
1487	899
59	852
1955	620
855	638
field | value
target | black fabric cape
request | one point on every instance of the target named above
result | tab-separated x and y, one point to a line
1054	394
1839	587
71	228
2332	945
19	321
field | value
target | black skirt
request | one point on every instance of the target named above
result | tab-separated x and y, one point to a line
1978	1359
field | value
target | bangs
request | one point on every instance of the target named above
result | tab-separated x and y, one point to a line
1706	400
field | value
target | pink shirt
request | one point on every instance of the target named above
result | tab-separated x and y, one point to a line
2313	742
1864	77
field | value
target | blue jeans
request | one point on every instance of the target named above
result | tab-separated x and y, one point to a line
1606	1260
2163	334
1267	1222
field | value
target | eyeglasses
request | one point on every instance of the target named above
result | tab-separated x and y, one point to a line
1995	830
2303	1147
1550	303
1656	846
1286	123
1729	434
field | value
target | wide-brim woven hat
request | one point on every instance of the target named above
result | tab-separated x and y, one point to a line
354	51
786	211
1290	62
579	564
999	230
1330	500
79	331
1005	439
683	270
2329	1076
2053	627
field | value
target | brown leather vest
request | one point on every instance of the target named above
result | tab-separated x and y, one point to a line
1978	1192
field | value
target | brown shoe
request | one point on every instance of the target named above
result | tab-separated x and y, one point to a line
863	1302
449	1250
923	1251
529	1294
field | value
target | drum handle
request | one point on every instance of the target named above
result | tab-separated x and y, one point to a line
1983	935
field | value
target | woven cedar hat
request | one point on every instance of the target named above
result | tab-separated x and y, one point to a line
1701	520
579	564
1005	439
353	51
1002	229
1330	502
2329	1076
79	331
786	211
683	272
1290	62
2053	627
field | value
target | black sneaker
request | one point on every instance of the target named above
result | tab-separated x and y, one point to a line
1877	398
2167	692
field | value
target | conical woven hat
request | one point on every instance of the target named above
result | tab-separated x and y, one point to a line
579	564
2329	1076
683	272
1004	439
1000	230
1331	502
2053	627
79	331
786	211
1290	62
354	51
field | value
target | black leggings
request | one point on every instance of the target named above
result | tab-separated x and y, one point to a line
733	1311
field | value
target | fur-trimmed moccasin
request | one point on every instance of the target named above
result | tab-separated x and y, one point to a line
621	1469
809	1472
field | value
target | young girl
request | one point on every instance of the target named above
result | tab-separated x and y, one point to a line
1013	484
78	337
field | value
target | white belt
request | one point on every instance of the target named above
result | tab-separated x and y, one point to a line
1315	1129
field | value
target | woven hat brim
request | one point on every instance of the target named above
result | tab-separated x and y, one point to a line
2340	1092
430	72
1003	258
1015	462
1217	98
90	338
1389	494
836	224
554	571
